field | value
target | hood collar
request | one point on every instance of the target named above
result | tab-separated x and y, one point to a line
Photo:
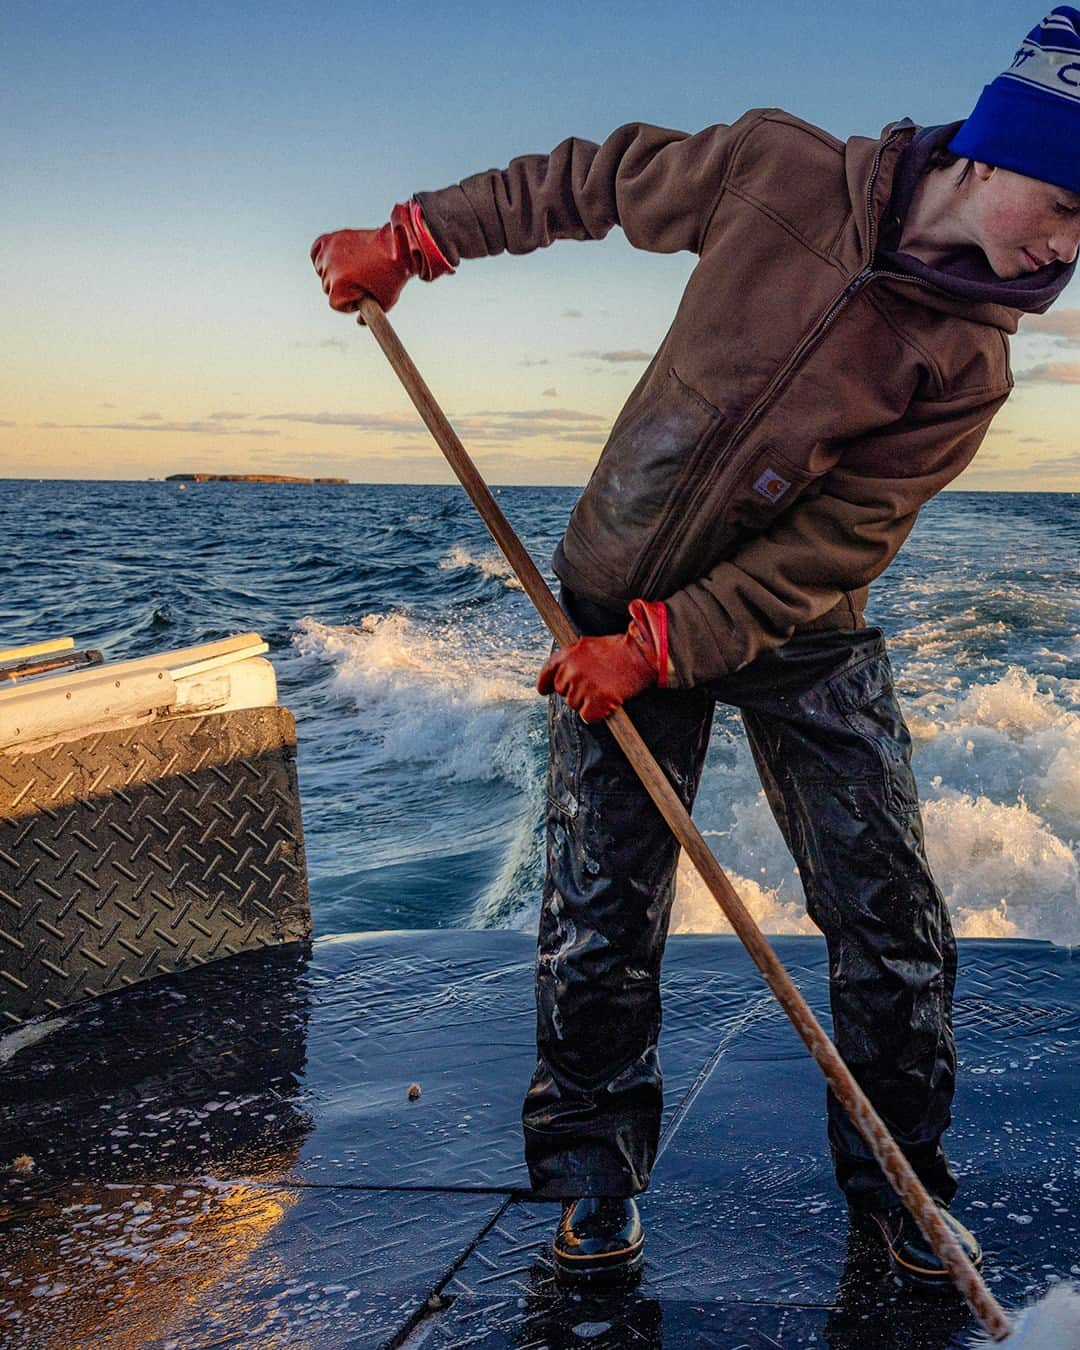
871	167
966	277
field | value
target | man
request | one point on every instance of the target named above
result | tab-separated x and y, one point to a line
835	361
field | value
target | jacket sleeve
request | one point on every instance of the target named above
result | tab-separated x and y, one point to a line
661	186
831	542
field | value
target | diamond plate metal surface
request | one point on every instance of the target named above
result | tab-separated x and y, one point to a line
506	1295
404	1008
743	1210
339	1206
132	853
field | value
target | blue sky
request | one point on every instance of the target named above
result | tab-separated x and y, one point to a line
166	167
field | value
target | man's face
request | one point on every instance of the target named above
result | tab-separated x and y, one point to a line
1021	224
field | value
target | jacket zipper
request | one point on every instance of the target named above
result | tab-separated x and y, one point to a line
809	342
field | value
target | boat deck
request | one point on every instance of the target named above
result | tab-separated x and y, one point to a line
230	1157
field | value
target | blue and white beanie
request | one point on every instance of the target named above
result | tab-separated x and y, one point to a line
1028	119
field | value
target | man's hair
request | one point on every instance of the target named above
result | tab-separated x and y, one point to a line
943	158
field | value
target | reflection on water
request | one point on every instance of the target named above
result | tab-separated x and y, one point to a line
870	1308
902	1318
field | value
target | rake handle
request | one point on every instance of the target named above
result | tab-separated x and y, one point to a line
846	1090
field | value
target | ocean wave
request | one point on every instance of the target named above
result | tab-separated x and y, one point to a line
1000	770
999	765
1012	742
452	699
1003	870
489	564
695	910
421	737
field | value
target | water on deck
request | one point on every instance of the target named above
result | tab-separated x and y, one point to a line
230	1157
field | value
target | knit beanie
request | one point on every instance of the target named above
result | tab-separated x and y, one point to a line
1028	119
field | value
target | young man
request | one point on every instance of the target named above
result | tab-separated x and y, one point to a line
835	361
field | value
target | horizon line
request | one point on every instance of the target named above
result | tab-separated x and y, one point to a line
553	487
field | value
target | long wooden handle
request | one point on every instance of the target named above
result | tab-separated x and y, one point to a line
854	1101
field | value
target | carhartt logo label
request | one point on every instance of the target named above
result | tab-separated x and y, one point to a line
771	485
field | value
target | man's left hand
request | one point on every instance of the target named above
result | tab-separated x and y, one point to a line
596	675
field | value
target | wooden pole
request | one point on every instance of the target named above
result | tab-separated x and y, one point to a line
866	1120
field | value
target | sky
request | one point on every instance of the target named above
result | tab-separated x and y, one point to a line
166	166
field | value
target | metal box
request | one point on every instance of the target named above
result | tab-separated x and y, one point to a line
149	821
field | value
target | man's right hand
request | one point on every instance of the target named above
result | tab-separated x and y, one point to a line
355	263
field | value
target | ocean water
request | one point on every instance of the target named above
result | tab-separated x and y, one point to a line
408	654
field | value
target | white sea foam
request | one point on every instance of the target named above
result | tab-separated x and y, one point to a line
490	564
447	698
696	911
1013	743
11	1042
1006	874
998	767
999	771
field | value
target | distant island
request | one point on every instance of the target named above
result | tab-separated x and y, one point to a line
245	478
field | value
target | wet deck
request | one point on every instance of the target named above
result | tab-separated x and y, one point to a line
229	1158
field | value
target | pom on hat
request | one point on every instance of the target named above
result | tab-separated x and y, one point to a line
1028	119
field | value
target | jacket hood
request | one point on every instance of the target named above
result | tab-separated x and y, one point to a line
966	277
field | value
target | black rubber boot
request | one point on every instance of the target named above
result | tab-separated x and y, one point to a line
599	1240
911	1256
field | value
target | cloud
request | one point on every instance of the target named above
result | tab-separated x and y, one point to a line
550	424
529	362
1063	467
7	422
511	430
503	425
404	463
547	414
365	421
1060	465
1064	323
150	417
1032	440
572	314
496	467
1051	372
227	416
333	344
279	454
189	428
550	392
627	354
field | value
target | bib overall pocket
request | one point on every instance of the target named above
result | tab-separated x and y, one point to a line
867	700
564	757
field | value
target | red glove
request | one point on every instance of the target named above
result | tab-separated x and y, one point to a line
596	675
355	263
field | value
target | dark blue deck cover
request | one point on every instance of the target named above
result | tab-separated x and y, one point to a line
229	1157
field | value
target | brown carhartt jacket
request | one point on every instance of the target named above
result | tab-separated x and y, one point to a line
802	407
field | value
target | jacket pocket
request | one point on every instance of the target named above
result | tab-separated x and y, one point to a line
765	487
655	452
